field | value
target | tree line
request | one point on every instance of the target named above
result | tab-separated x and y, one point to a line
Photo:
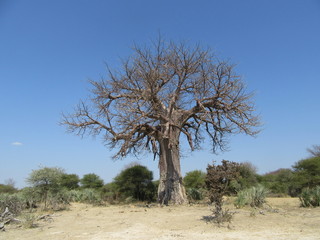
136	183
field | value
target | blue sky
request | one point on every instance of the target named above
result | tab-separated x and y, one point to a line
50	49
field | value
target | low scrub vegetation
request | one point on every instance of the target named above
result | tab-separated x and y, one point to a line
254	197
195	185
310	197
53	189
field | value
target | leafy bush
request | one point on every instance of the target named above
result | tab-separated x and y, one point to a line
310	197
279	182
5	188
15	202
59	200
110	192
194	194
306	174
247	178
195	179
87	195
31	196
254	196
194	183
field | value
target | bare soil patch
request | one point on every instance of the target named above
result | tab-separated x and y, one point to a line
281	219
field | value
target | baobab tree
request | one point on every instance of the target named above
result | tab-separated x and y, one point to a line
161	93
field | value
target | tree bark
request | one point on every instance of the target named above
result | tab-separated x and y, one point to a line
171	189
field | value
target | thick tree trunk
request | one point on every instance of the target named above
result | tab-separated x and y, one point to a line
171	189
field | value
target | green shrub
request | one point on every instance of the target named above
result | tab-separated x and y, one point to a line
110	192
59	200
254	196
31	196
75	195
14	202
194	194
242	199
306	174
310	197
194	179
279	182
5	188
194	183
248	176
87	195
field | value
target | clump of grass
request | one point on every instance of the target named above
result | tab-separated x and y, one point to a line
28	220
254	196
310	197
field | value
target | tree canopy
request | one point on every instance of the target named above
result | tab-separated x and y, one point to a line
91	180
136	182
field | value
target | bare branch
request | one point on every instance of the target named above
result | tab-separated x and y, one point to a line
161	92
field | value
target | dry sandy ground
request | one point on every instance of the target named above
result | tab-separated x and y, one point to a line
284	220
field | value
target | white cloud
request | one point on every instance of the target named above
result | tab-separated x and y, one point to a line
16	143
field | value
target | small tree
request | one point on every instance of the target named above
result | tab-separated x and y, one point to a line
306	174
46	180
217	181
136	182
91	180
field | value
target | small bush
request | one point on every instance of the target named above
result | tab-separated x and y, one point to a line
31	196
59	200
194	194
14	202
5	188
310	197
242	199
195	179
86	195
254	196
217	181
